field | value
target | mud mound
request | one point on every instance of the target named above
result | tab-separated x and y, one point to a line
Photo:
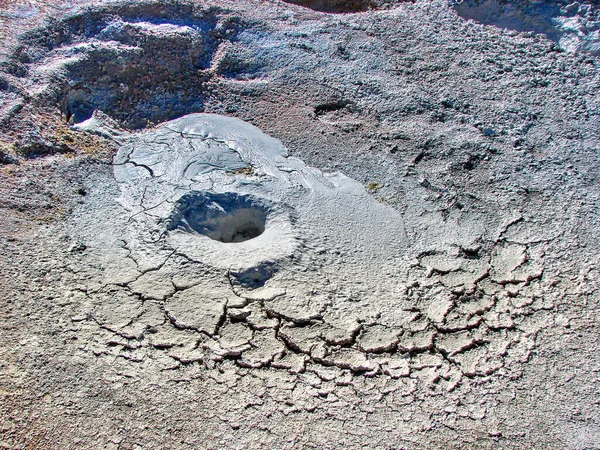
380	232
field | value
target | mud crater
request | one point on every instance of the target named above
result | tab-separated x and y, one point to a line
140	64
227	218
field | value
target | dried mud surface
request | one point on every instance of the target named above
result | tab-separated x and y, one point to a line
436	181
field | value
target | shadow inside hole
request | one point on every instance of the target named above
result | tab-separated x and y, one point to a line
336	6
237	226
77	106
226	217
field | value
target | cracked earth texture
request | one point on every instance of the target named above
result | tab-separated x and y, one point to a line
417	198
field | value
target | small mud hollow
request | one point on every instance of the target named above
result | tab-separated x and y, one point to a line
227	218
342	6
139	63
239	226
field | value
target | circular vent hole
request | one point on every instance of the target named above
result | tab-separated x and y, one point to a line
228	217
238	226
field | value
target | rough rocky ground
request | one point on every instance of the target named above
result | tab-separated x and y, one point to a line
480	330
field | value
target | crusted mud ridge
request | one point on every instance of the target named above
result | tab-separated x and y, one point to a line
269	224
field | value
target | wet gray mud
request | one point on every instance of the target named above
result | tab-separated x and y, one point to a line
314	225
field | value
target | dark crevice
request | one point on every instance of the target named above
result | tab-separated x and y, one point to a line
325	108
344	6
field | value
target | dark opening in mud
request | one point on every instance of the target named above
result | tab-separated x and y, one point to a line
237	226
344	6
228	217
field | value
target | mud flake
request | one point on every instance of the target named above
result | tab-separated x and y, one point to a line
478	362
255	316
117	309
441	263
341	332
293	362
295	308
413	342
451	344
165	337
505	260
119	269
154	285
263	294
472	306
151	317
396	368
378	339
199	308
301	339
265	348
498	320
233	335
354	360
439	307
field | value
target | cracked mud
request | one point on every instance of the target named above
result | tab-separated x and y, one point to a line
374	303
240	224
